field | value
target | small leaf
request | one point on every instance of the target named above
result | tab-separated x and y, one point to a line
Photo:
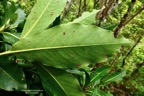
116	76
9	37
87	78
10	9
57	82
87	18
98	74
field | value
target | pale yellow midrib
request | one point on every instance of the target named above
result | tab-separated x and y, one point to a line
57	47
55	79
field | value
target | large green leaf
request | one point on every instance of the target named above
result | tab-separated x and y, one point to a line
42	15
98	74
57	82
116	76
68	46
11	76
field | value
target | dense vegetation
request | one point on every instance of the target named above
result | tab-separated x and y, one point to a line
72	47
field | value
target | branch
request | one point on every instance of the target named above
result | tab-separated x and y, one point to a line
130	51
66	10
139	65
102	4
124	18
95	2
79	10
115	60
130	18
85	5
109	7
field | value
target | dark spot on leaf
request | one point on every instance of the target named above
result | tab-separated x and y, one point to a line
23	79
78	65
29	41
51	13
17	61
57	1
74	31
105	56
64	33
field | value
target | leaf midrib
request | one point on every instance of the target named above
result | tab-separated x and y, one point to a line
57	47
7	74
54	79
114	77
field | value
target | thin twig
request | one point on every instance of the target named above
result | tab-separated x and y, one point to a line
99	14
95	2
114	61
79	10
66	10
106	10
124	18
139	65
84	6
130	51
109	6
130	18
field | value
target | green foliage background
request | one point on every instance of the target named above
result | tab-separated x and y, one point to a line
133	82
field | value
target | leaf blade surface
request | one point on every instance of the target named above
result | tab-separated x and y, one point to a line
11	76
58	82
68	46
37	20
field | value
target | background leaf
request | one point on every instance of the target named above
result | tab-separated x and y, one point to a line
12	77
57	82
98	74
10	9
9	37
116	76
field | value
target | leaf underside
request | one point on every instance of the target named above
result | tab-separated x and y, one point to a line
42	15
68	46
